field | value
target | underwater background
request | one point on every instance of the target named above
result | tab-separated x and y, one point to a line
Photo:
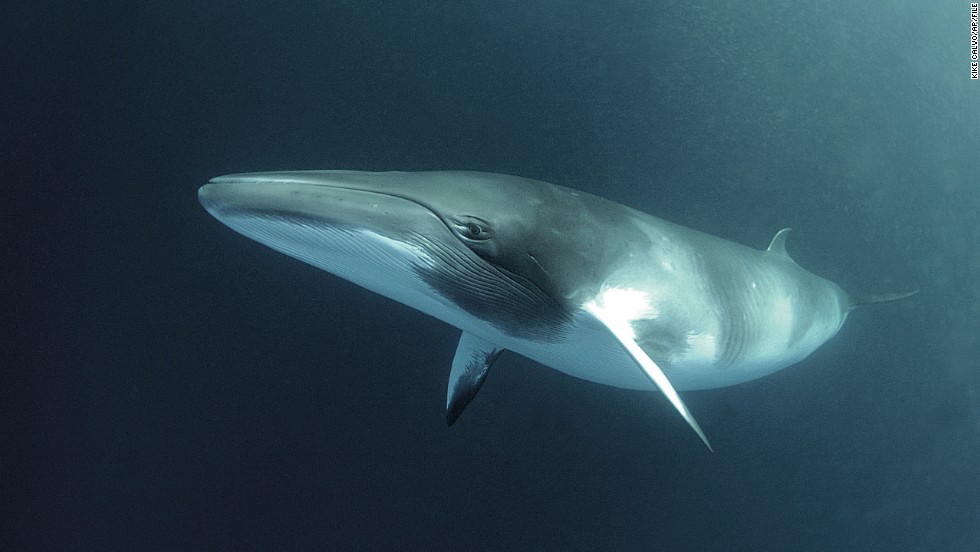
171	385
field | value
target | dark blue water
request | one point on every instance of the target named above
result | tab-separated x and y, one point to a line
174	386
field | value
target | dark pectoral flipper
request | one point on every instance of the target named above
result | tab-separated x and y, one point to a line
474	357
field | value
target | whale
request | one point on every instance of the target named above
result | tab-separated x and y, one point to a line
586	286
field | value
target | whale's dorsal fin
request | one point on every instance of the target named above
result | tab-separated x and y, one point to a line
623	332
778	244
473	359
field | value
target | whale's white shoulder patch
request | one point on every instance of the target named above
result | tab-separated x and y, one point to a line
615	308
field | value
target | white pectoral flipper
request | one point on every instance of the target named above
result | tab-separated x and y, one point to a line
620	328
473	359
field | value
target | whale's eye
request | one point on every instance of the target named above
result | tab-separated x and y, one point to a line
473	229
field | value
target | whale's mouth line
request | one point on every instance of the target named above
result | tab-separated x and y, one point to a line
516	279
514	304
